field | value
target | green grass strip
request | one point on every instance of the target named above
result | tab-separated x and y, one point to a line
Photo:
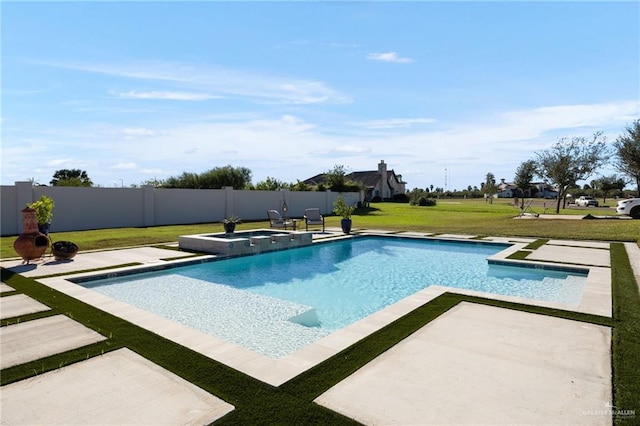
519	255
536	244
255	401
310	384
626	337
259	403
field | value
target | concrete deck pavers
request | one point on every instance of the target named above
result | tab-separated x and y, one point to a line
572	255
19	304
118	388
5	288
276	372
478	365
92	260
31	340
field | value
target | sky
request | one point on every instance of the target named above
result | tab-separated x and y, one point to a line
443	92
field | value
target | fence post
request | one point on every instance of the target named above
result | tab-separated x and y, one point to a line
328	201
149	205
228	201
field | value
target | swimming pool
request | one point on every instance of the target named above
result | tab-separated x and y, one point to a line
278	302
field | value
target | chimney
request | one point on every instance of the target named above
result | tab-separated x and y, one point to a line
382	169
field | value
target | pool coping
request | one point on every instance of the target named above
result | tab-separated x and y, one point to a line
596	300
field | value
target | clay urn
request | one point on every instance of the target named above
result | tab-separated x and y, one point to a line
31	244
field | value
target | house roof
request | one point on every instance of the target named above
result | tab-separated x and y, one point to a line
369	179
316	180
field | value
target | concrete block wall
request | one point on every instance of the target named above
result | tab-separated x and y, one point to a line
78	208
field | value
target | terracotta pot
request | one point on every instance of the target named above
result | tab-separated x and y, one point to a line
31	244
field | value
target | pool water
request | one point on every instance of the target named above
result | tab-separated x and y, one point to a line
278	302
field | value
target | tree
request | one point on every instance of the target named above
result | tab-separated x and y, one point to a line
300	186
271	184
627	153
606	184
489	186
336	178
570	161
185	180
524	175
73	177
219	177
156	183
216	178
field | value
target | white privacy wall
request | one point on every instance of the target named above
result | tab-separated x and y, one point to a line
79	208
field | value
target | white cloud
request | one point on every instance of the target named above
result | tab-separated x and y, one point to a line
575	116
136	132
394	123
290	147
350	150
125	166
155	172
218	81
389	57
59	161
170	96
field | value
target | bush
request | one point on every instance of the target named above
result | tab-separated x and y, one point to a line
422	201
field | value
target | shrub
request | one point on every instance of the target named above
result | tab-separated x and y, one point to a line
341	208
422	201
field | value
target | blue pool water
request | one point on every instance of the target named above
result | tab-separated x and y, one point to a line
278	302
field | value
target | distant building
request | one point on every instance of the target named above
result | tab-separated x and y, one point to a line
507	189
381	183
538	190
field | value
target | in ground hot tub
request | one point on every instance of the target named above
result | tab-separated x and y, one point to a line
245	242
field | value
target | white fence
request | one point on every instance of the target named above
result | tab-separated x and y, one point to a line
79	209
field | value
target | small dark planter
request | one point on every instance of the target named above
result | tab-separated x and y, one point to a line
64	250
229	227
346	225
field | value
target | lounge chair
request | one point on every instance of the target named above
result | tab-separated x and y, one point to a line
313	217
276	221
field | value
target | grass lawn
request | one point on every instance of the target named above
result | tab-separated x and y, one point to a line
291	403
475	217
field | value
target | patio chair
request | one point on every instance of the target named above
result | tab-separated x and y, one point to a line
313	217
277	221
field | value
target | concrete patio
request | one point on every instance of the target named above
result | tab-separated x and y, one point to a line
473	365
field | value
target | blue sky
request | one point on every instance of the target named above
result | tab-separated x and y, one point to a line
444	92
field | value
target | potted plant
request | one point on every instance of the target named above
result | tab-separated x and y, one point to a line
44	212
341	208
229	223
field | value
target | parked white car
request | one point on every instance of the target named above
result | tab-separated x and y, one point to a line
630	207
586	201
